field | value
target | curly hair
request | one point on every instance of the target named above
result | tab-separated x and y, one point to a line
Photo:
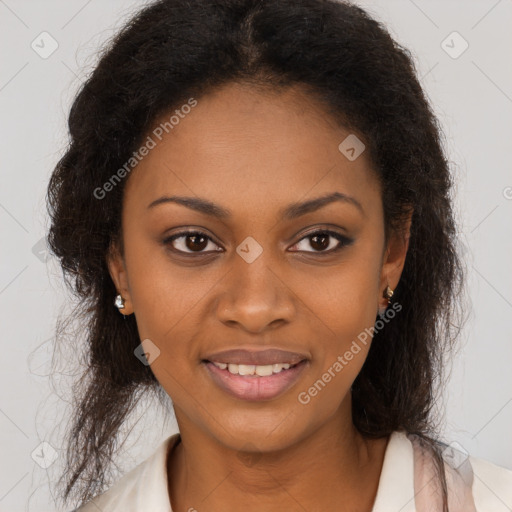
170	51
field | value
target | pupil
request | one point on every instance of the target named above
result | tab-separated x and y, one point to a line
195	239
323	244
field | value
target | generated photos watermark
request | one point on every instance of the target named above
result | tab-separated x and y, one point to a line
304	397
149	144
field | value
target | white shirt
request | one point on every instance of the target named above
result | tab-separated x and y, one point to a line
144	488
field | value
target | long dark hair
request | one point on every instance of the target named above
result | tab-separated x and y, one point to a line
171	51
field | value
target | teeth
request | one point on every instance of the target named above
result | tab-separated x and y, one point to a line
246	369
264	371
276	368
251	369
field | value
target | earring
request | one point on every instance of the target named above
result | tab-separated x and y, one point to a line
119	302
388	293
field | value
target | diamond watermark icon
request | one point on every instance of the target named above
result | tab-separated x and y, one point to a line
455	455
249	249
454	45
249	455
147	352
44	455
351	147
40	250
44	45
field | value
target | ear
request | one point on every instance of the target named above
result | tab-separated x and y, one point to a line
394	260
117	270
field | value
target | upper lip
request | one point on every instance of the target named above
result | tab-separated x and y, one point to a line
256	357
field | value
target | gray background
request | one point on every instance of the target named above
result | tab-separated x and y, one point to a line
472	95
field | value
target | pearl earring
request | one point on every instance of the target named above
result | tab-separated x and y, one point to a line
119	302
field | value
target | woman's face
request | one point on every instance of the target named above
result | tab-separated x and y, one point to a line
260	272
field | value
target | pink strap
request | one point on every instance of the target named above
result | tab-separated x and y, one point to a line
427	488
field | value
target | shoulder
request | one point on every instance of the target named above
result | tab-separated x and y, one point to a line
489	485
473	484
144	488
492	486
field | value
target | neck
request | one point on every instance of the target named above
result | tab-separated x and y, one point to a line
332	468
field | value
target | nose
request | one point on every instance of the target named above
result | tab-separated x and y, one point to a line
255	297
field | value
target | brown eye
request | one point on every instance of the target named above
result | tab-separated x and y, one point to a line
324	241
190	242
320	242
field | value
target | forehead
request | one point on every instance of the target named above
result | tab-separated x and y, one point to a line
240	146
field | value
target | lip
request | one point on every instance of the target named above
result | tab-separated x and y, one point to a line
256	356
252	387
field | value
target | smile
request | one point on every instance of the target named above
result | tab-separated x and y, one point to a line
255	382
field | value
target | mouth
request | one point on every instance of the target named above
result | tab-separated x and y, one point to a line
255	382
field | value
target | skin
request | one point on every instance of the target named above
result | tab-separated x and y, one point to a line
255	153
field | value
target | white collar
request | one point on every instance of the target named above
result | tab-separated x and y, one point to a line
396	483
144	488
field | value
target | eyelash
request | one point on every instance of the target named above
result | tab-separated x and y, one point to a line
343	241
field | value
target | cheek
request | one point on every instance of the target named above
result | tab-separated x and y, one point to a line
344	311
345	303
163	295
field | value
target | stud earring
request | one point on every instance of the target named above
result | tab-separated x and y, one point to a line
119	302
388	293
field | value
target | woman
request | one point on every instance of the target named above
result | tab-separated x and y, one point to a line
255	209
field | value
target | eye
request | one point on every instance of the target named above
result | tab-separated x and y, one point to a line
325	241
322	241
190	242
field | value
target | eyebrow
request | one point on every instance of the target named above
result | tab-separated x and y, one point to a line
292	211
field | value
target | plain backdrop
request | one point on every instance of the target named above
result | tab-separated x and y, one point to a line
462	53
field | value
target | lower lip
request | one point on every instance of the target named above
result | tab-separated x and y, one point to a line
252	387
